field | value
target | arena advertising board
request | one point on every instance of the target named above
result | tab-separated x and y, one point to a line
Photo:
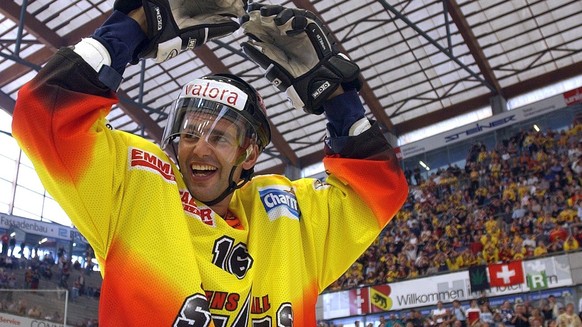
492	123
539	274
40	228
13	320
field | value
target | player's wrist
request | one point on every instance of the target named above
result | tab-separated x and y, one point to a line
123	36
337	92
140	18
93	52
342	112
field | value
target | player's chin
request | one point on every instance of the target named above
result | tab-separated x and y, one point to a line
206	191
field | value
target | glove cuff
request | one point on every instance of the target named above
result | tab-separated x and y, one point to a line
370	143
359	127
93	52
310	91
342	112
97	56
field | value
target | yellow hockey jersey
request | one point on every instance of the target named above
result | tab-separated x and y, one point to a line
168	260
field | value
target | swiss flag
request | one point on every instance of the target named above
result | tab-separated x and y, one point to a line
358	304
506	274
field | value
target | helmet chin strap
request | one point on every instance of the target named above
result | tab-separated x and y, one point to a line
232	186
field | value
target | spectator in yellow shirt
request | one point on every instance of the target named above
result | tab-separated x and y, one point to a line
571	244
506	253
453	261
495	168
491	254
483	155
392	273
509	193
488	240
413	272
517	239
491	225
519	252
541	249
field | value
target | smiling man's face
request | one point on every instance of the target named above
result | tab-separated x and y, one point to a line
208	149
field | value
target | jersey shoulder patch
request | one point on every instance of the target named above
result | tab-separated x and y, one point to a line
279	201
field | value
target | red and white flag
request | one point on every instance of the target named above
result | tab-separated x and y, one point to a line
506	274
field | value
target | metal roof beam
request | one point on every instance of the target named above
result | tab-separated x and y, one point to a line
511	91
51	40
7	103
540	81
25	65
434	43
473	45
35	27
138	114
443	114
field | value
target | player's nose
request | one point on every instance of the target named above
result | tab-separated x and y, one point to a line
202	147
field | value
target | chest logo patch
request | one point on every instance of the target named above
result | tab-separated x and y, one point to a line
143	160
280	202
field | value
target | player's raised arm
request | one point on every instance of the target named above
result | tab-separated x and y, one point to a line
120	190
298	56
365	187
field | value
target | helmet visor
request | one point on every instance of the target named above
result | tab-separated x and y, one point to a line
219	126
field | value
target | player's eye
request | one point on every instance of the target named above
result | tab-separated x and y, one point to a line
190	135
220	138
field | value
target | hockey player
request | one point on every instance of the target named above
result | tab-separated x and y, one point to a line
201	242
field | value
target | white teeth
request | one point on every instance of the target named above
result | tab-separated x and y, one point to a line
202	167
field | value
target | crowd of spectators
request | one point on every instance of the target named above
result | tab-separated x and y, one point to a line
548	312
55	272
519	200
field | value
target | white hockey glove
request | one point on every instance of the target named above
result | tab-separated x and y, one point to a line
297	54
178	25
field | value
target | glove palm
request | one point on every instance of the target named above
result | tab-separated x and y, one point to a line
295	50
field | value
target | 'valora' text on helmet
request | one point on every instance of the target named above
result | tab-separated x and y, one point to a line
224	93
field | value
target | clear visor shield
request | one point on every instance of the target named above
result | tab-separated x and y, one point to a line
203	123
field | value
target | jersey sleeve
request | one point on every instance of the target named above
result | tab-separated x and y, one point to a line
369	166
349	210
59	122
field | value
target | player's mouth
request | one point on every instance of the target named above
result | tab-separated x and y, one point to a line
203	171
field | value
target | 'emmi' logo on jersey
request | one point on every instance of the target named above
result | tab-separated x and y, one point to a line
280	202
144	160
